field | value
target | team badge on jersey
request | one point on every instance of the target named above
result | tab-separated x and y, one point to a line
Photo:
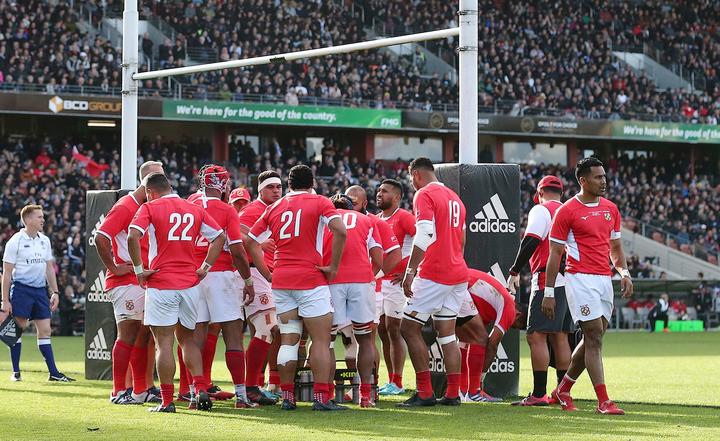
129	305
608	217
585	309
264	300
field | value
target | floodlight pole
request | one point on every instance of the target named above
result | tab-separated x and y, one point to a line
129	121
468	81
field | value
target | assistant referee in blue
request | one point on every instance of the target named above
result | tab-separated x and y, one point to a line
27	279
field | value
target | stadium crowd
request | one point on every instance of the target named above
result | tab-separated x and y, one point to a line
549	57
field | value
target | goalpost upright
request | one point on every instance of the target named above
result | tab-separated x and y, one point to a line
468	86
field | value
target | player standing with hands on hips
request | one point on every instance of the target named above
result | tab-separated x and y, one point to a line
587	227
28	275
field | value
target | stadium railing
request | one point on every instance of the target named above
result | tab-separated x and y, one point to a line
671	240
178	90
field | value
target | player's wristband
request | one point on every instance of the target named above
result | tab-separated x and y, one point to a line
549	292
206	266
625	273
379	274
138	269
410	271
248	281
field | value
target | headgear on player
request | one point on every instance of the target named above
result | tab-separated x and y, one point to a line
214	176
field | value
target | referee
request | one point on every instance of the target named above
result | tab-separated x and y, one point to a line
27	274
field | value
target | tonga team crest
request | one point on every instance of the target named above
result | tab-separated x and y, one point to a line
585	310
608	217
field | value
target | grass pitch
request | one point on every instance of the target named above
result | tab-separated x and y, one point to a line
668	384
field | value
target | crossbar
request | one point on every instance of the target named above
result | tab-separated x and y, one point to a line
291	56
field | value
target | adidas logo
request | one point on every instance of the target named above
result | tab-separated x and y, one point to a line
501	364
9	330
91	237
97	290
98	349
492	218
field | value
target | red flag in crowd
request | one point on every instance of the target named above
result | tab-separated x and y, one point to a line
93	168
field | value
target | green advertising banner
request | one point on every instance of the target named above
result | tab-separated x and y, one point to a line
282	114
650	131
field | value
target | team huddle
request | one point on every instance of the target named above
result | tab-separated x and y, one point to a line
305	267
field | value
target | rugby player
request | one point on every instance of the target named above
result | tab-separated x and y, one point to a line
388	197
261	315
535	248
128	297
441	283
587	228
173	226
300	281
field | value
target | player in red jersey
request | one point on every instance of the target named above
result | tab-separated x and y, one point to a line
239	198
495	306
299	280
391	258
535	248
221	301
173	226
388	197
587	227
261	315
128	298
441	283
353	296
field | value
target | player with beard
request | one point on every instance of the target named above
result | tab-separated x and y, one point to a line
587	227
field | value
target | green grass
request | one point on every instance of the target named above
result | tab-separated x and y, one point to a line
668	384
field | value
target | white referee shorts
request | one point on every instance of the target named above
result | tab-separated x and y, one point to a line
167	307
589	296
394	299
221	298
263	294
128	302
468	308
353	302
310	303
430	297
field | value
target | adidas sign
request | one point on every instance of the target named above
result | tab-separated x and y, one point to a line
98	347
91	237
501	364
492	218
97	290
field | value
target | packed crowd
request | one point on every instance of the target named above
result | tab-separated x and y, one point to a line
550	57
557	56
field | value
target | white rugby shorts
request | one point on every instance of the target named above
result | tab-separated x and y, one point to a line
310	303
394	299
354	302
128	302
430	297
167	307
589	296
221	298
263	294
